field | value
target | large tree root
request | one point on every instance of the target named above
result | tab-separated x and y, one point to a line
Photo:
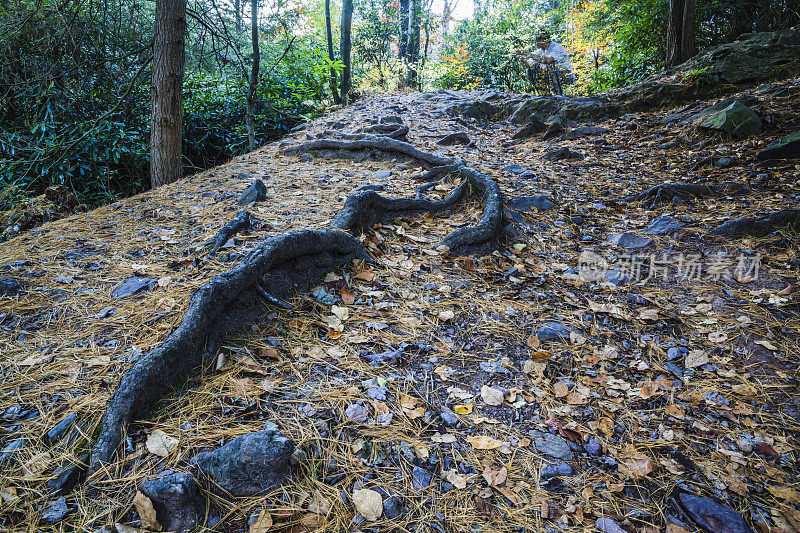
241	221
759	226
229	302
366	208
684	193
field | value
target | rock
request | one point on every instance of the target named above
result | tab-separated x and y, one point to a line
420	478
449	418
250	464
10	287
527	203
736	119
554	331
618	277
477	109
711	516
57	432
606	525
62	197
553	130
534	125
674	353
550	444
67	475
257	192
588	109
557	468
57	511
629	241
562	153
391	119
514	169
725	162
582	131
383	174
132	285
663	225
534	106
786	148
178	504
393	507
370	187
454	138
593	447
11	450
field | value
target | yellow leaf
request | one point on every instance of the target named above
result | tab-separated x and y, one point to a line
147	513
463	408
483	442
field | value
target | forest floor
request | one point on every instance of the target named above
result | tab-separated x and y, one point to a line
431	379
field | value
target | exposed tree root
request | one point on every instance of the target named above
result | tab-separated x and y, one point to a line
759	226
672	193
240	222
365	208
280	266
392	131
437	172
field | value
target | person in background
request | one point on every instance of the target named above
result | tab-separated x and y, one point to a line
549	67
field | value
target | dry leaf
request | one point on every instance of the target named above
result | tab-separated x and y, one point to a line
717	336
37	464
560	389
368	503
636	465
443	438
459	481
147	514
347	297
495	475
463	408
447	316
766	344
160	444
483	442
696	358
533	342
342	313
491	395
541	355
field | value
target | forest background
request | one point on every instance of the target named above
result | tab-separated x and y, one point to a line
75	75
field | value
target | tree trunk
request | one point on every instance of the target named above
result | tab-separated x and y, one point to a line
413	42
446	17
237	14
251	91
166	117
334	88
345	46
402	46
680	32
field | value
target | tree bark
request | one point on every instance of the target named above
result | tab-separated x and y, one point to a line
413	42
402	47
680	32
251	91
345	45
688	48
166	116
334	83
237	14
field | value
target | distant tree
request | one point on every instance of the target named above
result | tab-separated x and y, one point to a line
329	35
680	32
166	117
253	84
345	47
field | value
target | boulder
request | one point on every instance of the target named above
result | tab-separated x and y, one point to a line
257	192
663	226
176	499
589	109
562	153
736	119
454	138
629	241
786	148
540	106
535	125
249	464
477	109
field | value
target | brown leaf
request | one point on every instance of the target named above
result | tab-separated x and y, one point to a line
484	442
636	465
541	355
147	513
533	342
368	503
347	297
495	475
560	389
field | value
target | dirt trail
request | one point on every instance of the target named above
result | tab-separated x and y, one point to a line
510	390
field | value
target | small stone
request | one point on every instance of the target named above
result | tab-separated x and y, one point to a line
57	511
10	287
420	478
551	445
554	331
67	476
370	187
713	517
249	464
593	447
736	119
257	192
454	138
557	468
393	507
560	154
449	418
178	504
133	285
527	203
629	241
583	131
514	169
606	525
663	226
58	431
674	353
11	449
382	175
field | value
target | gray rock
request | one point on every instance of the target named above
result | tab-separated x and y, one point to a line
554	129
557	468
454	138
369	187
537	105
477	109
629	241
57	511
559	154
663	226
549	444
554	331
382	174
534	125
588	109
786	148
582	131
420	478
673	353
176	499
527	203
57	432
250	464
593	447
257	192
449	418
393	507
11	450
391	119
132	285
10	286
736	119
711	516
618	277
514	169
606	525
67	476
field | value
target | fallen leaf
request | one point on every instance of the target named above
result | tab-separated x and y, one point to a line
447	316
459	481
766	344
533	342
560	389
147	514
37	464
342	313
495	475
541	355
463	408
696	358
637	465
483	442
491	395
443	438
347	297
160	444
717	336
368	503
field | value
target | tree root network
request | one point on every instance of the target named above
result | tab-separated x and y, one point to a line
684	193
286	264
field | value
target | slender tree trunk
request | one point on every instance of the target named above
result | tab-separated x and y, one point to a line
413	41
402	47
166	116
237	14
446	17
251	91
688	48
334	88
345	45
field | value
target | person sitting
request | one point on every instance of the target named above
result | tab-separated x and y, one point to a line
549	67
